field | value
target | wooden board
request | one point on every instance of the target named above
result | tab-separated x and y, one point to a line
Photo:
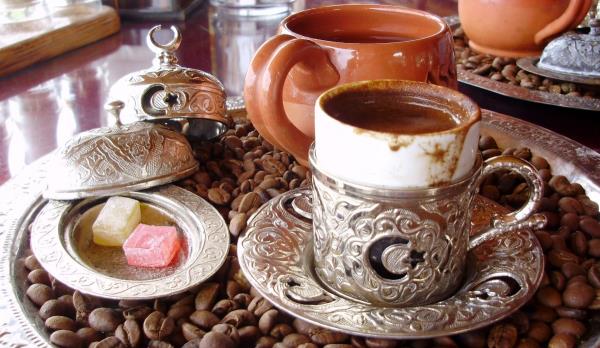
25	43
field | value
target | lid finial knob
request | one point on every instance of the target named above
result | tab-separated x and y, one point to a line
165	53
114	108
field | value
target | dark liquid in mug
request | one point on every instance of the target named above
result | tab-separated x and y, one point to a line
364	38
383	111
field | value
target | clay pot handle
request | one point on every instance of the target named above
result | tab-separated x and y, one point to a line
263	88
572	16
518	219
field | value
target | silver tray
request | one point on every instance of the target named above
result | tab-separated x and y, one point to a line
20	198
522	93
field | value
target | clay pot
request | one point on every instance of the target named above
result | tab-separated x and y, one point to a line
323	47
518	28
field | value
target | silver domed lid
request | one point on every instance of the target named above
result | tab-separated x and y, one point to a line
573	53
170	93
114	160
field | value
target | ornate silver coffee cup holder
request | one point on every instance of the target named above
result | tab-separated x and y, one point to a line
276	255
572	57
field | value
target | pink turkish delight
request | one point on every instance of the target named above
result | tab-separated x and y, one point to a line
152	246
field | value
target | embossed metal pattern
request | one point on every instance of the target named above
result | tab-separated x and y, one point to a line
204	228
168	91
531	64
275	253
112	160
405	247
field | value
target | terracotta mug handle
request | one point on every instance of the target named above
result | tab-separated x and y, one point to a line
572	16
263	88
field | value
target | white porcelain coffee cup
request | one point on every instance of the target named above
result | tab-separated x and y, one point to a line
378	157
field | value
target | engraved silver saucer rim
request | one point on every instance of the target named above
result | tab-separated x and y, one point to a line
204	228
272	253
530	64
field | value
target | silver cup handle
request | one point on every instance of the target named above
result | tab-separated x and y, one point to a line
518	219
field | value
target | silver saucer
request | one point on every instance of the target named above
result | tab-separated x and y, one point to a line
275	254
64	248
531	65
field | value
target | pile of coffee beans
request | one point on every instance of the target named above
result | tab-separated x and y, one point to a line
506	70
241	172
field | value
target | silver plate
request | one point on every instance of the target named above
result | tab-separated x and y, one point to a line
275	253
531	64
64	248
20	325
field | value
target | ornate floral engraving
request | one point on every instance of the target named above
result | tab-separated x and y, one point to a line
117	157
276	250
391	252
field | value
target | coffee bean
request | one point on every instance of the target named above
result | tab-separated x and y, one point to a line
570	221
85	303
578	295
109	342
279	331
558	280
379	343
486	142
327	337
259	306
570	205
223	307
157	326
137	313
562	341
590	226
573	313
206	296
204	319
295	339
129	333
39	293
195	343
242	300
180	311
159	344
60	288
59	322
594	276
543	313
219	196
105	319
191	331
312	345
39	276
88	335
32	263
571	270
267	321
590	208
249	201
559	257
549	296
539	162
66	339
569	326
216	339
578	243
539	331
491	192
527	343
228	330
594	248
239	318
237	224
265	342
502	335
52	308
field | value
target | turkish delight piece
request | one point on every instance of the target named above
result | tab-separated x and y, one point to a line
152	246
117	219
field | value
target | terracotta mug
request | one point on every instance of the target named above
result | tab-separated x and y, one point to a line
320	48
518	28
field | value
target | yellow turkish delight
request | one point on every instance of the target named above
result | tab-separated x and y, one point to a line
117	219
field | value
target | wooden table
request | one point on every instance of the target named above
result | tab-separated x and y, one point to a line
44	105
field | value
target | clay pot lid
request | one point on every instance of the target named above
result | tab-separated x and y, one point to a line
170	93
115	160
574	53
